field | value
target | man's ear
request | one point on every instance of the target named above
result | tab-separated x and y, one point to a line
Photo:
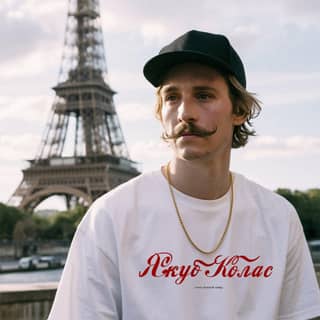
238	120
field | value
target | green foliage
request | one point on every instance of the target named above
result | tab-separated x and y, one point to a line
307	205
41	225
9	216
63	224
20	226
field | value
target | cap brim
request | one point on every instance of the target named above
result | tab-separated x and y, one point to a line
157	67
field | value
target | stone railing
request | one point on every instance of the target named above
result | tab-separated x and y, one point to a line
26	301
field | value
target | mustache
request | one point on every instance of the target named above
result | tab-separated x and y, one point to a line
187	127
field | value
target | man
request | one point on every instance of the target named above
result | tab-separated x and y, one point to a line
192	240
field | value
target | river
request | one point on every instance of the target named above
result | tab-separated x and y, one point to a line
31	276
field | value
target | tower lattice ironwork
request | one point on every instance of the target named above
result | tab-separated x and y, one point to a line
83	153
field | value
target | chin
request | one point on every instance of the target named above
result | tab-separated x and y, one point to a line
190	154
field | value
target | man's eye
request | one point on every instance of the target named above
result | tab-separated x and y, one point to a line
171	97
204	96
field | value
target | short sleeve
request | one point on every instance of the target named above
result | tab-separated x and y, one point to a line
89	288
300	295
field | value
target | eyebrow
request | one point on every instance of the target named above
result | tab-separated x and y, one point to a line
204	88
169	89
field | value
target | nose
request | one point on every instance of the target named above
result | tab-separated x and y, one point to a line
187	111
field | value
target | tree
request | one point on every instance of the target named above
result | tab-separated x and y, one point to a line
24	236
9	216
307	205
64	224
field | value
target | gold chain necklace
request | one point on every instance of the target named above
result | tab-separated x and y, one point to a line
184	227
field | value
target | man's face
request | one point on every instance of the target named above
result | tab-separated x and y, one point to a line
197	96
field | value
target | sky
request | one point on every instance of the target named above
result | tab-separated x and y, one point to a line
278	42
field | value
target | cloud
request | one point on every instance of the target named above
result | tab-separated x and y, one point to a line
132	81
150	153
302	12
277	78
30	108
149	149
29	25
18	147
154	32
277	147
18	36
31	38
32	64
285	88
133	112
212	16
10	179
44	8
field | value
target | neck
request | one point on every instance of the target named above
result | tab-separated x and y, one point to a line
201	180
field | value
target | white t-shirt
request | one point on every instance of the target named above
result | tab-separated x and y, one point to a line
131	260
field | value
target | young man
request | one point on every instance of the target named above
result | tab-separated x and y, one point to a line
192	240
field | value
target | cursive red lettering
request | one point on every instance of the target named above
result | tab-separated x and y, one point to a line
268	271
154	262
220	269
232	272
195	270
159	265
257	272
244	273
172	271
184	270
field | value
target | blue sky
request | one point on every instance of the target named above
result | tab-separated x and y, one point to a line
277	40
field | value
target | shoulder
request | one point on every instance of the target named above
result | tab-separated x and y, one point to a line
114	204
264	199
129	191
274	215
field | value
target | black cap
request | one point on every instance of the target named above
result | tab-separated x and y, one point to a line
196	46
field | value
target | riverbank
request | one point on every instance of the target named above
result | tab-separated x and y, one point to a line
11	265
45	247
31	277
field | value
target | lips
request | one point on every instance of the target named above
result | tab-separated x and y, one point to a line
187	134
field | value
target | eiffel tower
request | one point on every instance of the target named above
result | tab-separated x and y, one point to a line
83	153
